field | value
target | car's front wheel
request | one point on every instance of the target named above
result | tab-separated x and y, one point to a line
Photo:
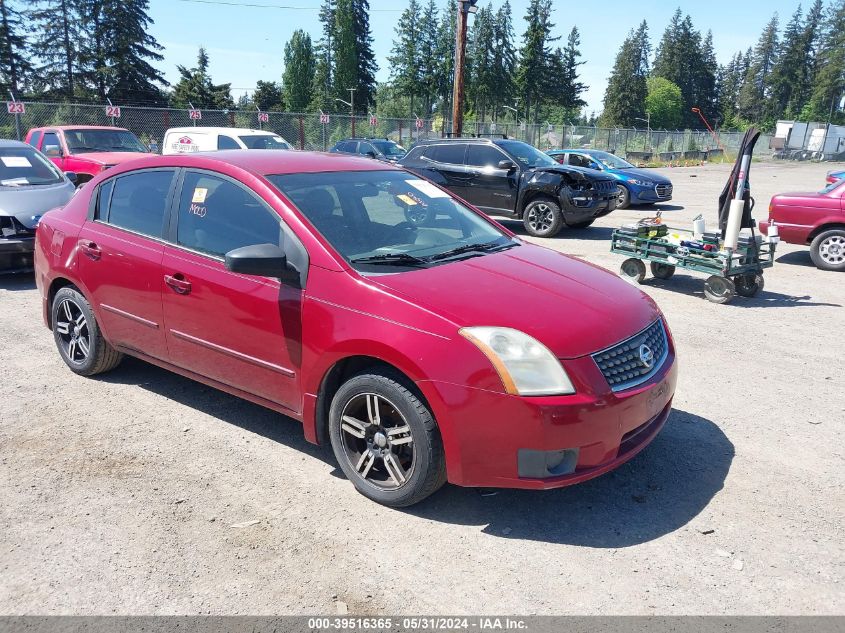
623	199
828	250
77	334
386	439
543	218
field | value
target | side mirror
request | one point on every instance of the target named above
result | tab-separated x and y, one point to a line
71	175
53	151
509	165
266	260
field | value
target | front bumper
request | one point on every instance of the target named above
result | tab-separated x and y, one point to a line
587	205
487	435
16	254
658	193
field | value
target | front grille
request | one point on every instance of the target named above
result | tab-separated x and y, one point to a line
605	186
627	364
663	191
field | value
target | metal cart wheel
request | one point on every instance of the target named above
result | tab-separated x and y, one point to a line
749	284
632	270
661	270
719	289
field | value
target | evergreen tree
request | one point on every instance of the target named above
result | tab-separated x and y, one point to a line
429	63
706	93
321	88
505	59
405	57
829	85
731	77
756	86
571	88
367	66
128	50
445	49
355	65
15	67
57	24
481	53
624	98
299	71
195	87
787	72
810	39
534	56
269	96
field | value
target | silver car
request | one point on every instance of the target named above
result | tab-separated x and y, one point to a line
30	185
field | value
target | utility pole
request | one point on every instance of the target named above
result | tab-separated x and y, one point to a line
465	7
351	104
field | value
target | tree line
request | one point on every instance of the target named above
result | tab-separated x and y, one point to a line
87	50
795	74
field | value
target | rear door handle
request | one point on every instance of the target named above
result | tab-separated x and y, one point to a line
91	250
178	283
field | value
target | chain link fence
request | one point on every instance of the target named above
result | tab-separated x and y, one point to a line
313	132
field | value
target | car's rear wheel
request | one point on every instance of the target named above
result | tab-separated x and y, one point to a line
828	250
623	200
543	218
386	439
77	334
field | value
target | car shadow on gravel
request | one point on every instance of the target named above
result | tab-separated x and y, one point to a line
218	404
694	286
658	492
796	258
17	281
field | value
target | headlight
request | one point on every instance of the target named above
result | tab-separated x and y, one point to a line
641	183
526	366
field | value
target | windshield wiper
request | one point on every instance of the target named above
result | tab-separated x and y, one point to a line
391	259
487	247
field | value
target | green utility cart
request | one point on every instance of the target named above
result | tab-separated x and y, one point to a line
730	274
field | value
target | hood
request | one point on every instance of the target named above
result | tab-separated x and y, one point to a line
572	307
641	174
28	204
111	158
589	174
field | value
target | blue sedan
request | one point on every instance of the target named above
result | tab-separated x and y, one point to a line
636	186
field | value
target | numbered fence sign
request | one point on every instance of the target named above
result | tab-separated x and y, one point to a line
419	124
113	111
15	107
263	117
324	119
195	115
373	121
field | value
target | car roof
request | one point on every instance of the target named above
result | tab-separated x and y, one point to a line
264	163
7	142
219	130
463	139
81	127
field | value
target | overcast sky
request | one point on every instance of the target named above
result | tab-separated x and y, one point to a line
246	42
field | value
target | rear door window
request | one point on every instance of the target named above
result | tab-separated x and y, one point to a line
227	142
452	154
139	201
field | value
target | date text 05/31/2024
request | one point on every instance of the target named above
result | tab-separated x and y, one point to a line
417	624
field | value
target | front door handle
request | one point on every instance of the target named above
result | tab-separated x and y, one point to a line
178	283
91	250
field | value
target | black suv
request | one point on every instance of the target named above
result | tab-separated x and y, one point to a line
379	148
511	178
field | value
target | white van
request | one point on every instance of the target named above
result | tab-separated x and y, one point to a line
185	140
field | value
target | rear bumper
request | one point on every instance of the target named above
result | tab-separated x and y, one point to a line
489	437
16	254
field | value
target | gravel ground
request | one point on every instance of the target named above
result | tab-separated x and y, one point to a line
141	492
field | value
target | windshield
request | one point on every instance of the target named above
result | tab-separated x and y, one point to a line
84	141
610	161
389	218
389	148
527	155
21	166
264	141
832	186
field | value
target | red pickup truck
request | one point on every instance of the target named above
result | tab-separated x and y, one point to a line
86	149
817	219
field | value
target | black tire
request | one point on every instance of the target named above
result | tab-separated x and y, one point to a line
580	225
748	285
633	270
661	270
77	334
397	471
542	218
719	289
828	250
624	199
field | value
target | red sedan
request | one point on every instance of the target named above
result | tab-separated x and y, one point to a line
423	350
814	218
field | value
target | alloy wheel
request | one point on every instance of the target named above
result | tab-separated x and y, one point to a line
832	250
72	328
377	441
541	217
